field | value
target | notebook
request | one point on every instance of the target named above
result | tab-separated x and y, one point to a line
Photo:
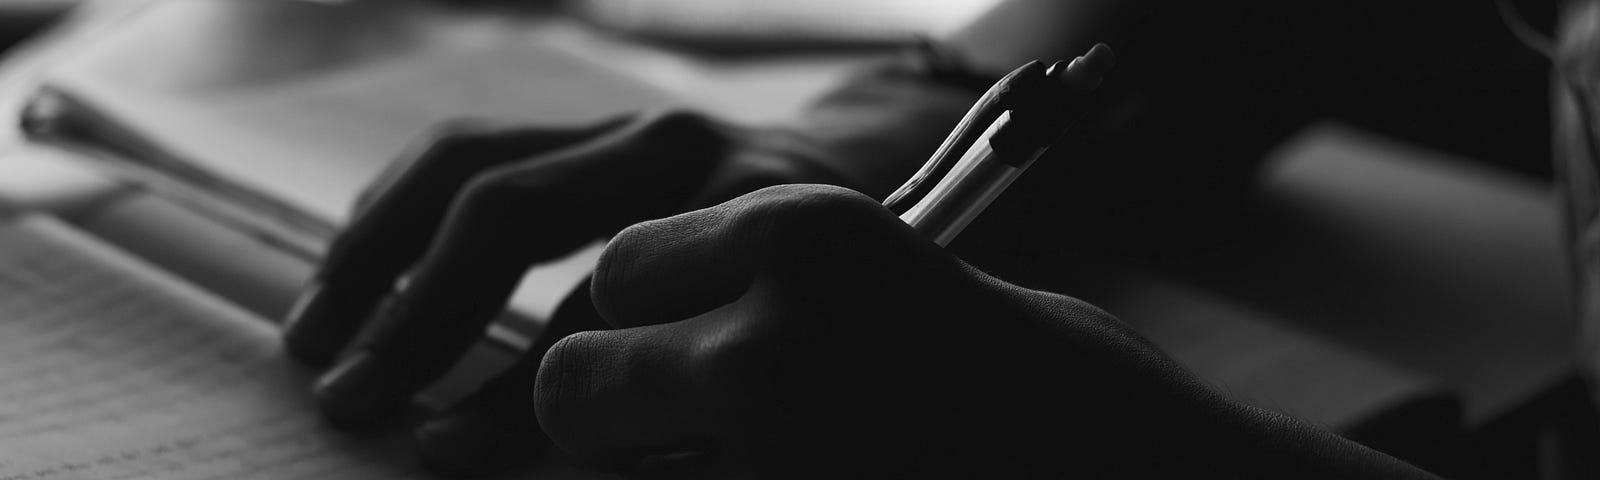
113	369
273	116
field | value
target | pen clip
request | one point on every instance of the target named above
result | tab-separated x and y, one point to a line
995	101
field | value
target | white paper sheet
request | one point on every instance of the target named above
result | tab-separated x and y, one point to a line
110	369
308	103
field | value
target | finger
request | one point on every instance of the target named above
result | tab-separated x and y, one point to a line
615	396
673	268
395	224
494	429
505	220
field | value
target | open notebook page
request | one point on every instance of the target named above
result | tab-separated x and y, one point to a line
111	369
303	109
306	104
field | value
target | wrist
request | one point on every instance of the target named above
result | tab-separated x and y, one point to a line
1122	409
1218	434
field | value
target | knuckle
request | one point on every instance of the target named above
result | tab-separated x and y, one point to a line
808	199
445	141
504	190
800	213
677	124
435	155
369	196
732	355
458	134
490	187
814	232
683	133
744	364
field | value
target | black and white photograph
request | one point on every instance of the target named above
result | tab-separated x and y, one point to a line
805	239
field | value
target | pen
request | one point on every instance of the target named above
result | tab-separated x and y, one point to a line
1021	116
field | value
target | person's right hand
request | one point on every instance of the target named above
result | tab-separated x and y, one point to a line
803	331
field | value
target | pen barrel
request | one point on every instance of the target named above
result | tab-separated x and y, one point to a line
972	184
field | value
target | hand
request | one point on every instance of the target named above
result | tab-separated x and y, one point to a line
803	331
462	220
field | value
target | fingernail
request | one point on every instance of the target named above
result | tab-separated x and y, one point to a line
300	340
1101	51
1057	68
301	303
1087	71
1098	60
359	391
1068	72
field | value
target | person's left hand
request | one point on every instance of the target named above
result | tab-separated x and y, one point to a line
438	244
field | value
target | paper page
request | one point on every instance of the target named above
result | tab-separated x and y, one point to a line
110	369
309	103
325	122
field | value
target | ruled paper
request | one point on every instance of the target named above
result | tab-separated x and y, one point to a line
110	369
